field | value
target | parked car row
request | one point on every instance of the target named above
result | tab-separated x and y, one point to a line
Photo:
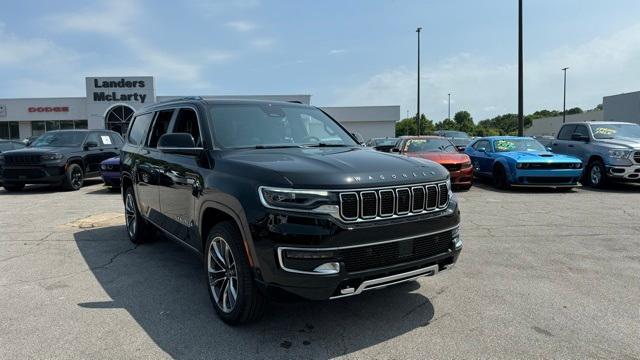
589	153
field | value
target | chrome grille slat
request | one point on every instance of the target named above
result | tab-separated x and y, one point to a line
393	201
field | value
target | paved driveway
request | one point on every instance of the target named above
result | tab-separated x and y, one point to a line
542	274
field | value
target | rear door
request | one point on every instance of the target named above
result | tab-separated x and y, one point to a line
93	156
182	180
142	165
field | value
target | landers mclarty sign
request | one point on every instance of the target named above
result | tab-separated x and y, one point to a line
118	95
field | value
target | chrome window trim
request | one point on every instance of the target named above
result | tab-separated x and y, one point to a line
375	195
357	206
423	200
398	201
393	208
280	249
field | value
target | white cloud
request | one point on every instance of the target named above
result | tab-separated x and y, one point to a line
602	66
262	43
336	51
241	25
24	51
219	56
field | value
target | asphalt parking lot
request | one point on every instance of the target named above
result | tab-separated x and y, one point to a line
542	274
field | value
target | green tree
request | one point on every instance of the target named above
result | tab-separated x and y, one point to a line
464	121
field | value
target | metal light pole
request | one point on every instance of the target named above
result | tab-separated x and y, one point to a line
520	77
418	113
564	98
449	112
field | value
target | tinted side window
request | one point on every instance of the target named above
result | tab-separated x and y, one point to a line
565	132
160	126
187	122
139	128
93	137
482	144
582	130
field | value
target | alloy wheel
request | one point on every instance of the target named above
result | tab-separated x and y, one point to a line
130	213
223	275
596	174
76	178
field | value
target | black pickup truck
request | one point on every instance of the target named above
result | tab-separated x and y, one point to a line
60	158
279	199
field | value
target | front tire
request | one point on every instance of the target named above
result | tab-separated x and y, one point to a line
232	290
596	175
13	187
500	180
138	229
74	177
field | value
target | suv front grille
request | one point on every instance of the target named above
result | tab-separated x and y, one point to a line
22	159
392	253
636	157
400	200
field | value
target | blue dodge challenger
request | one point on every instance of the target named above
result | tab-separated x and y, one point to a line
522	161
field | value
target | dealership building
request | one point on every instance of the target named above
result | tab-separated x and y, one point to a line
621	107
110	103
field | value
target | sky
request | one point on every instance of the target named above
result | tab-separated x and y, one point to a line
343	53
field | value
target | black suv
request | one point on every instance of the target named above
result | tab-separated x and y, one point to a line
61	157
279	199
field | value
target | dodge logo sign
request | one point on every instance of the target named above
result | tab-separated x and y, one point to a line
40	109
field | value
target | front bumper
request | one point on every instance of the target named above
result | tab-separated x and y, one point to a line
111	178
33	174
367	255
624	173
547	178
462	178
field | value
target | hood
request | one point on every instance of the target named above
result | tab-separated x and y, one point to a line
539	156
442	157
630	143
353	167
112	161
42	150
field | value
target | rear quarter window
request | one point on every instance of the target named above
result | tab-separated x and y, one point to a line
138	130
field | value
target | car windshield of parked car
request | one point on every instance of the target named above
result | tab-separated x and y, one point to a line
613	131
429	145
275	125
385	142
506	145
60	139
456	134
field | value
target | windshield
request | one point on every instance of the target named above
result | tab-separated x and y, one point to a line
429	145
612	131
385	142
456	134
60	139
275	125
506	145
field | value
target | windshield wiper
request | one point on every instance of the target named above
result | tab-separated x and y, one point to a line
276	146
326	145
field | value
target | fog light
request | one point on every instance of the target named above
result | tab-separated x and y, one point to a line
310	255
328	268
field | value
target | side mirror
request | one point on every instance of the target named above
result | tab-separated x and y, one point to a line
579	137
90	144
548	148
179	143
358	138
395	150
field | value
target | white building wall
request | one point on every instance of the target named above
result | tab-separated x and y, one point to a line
622	107
369	121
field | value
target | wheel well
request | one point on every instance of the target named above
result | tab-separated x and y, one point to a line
593	158
498	164
211	218
78	162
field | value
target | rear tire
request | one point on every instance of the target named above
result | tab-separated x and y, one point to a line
73	177
596	175
500	178
13	187
138	229
232	289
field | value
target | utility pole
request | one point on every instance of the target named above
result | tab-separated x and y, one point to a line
418	113
449	112
564	98
520	77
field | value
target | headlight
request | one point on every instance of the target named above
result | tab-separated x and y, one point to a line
522	165
51	156
450	192
103	167
298	199
619	153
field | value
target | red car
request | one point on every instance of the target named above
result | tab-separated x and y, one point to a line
442	151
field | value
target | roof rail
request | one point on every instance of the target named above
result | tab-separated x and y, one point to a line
295	101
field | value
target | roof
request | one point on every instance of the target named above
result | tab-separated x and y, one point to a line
599	122
504	137
421	137
192	99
